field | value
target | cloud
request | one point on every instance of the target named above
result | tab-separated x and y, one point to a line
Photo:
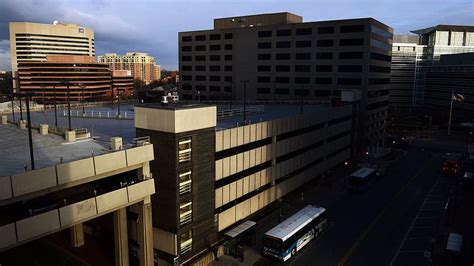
5	55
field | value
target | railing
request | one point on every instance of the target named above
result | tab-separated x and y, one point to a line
240	111
140	141
100	114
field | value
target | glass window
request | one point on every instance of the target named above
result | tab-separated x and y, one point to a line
282	91
200	68
264	56
186	48
214	47
185	213
284	32
214	57
186	68
214	37
304	31
185	182
264	45
302	68
228	36
214	88
381	32
200	38
303	56
325	30
351	42
350	55
282	68
200	48
264	68
186	241
352	28
350	68
283	44
302	44
323	55
228	57
186	39
265	33
325	43
324	68
228	46
227	68
214	68
282	56
263	90
184	150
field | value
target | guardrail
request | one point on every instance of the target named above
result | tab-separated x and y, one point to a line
128	115
240	111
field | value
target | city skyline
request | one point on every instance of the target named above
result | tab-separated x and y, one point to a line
118	31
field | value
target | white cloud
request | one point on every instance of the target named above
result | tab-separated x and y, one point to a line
5	55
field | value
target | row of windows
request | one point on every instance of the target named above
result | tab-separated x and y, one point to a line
188	87
306	80
203	78
308	43
212	47
309	31
49	40
212	68
203	37
319	55
298	92
307	68
227	57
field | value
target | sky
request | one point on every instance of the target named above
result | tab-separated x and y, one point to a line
152	26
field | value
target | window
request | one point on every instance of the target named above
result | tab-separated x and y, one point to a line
301	80
322	93
200	48
214	37
351	42
263	90
264	68
214	88
187	77
228	36
283	44
380	44
215	47
323	81
350	68
381	32
379	81
200	88
325	43
185	182
302	92
186	242
228	57
302	68
263	79
304	31
285	56
264	56
349	81
228	46
200	38
184	149
186	48
200	68
265	33
352	28
186	58
379	69
302	44
228	89
323	55
282	91
186	38
282	68
303	56
264	45
186	87
325	30
228	78
227	68
186	68
200	78
324	68
381	57
284	32
215	78
214	57
350	55
200	58
282	80
214	68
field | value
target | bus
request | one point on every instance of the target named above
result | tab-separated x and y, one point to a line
290	236
362	178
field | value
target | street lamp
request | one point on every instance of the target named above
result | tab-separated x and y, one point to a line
118	103
55	108
83	101
66	83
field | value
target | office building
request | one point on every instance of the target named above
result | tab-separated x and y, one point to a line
141	65
122	83
213	175
34	41
88	80
279	57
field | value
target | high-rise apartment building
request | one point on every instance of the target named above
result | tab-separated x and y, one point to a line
141	65
33	41
280	57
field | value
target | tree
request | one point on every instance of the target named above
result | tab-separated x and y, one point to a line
6	83
138	83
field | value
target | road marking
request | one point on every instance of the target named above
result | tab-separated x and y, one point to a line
412	223
380	215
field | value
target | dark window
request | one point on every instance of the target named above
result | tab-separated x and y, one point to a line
379	81
214	68
186	68
351	42
350	68
282	68
200	87
264	56
214	47
228	89
381	57
264	68
325	43
303	92
283	44
228	68
323	55
214	88
348	81
214	37
200	68
265	33
282	91
322	93
200	58
186	58
200	78
186	38
350	55
303	56
323	81
379	69
263	90
302	68
200	38
228	78
352	28
200	48
304	31
302	44
285	56
228	36
264	45
187	97
263	79
284	32
325	30
214	57
215	78
324	68
187	77
186	48
228	46
228	57
186	87
282	79
302	80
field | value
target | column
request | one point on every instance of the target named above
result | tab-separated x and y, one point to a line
145	233
121	237
77	235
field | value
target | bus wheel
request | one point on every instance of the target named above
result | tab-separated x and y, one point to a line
293	252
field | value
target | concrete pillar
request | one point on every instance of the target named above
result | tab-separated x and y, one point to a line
22	124
70	135
4	120
43	129
77	235
116	143
145	233
121	237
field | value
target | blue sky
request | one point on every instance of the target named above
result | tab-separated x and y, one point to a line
152	26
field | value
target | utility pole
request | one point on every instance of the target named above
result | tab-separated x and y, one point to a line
30	136
245	100
66	82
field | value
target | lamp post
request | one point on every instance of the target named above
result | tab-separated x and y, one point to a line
118	104
66	82
83	101
30	136
55	108
44	103
13	105
199	96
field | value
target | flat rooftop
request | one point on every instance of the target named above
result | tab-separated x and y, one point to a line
48	149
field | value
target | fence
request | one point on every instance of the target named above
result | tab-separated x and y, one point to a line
240	111
100	114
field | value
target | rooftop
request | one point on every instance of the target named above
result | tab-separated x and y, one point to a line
444	28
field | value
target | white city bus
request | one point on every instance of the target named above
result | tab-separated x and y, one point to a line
362	178
290	236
